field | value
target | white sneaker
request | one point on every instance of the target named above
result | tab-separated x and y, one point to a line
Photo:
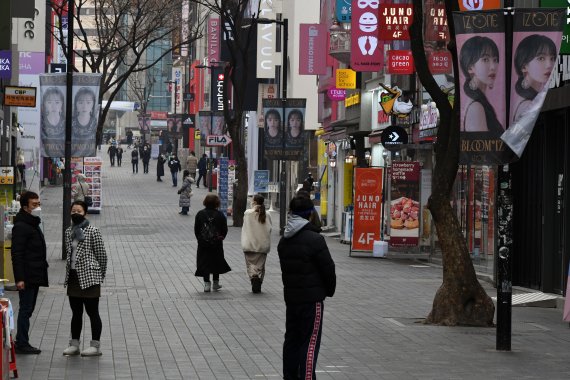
73	348
207	287
93	350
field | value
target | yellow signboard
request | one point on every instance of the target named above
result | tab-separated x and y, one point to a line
20	96
345	78
352	100
6	175
197	134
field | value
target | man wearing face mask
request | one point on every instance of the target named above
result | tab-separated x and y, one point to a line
145	158
29	262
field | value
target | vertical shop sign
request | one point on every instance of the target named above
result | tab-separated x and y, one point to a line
481	36
213	39
395	21
366	52
404	204
343	10
367	208
312	53
400	62
223	185
184	28
565	46
5	64
266	39
537	35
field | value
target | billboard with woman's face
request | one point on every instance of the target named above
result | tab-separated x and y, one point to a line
284	128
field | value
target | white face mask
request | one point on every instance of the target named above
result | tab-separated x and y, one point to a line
37	212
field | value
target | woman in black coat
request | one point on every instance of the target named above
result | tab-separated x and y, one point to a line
211	228
160	167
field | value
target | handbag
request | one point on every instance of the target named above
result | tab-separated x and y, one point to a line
87	199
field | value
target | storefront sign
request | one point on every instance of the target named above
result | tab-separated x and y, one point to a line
223	185
312	49
343	10
20	96
346	78
336	94
405	212
217	86
352	100
394	136
367	208
440	62
479	5
5	64
158	115
6	175
429	116
395	21
213	39
266	40
366	52
400	62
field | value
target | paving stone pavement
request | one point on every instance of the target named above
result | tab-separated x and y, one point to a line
158	323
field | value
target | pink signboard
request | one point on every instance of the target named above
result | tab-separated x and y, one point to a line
312	49
367	51
405	204
336	94
213	40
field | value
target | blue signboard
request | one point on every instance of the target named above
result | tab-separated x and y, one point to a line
260	181
5	64
223	185
343	10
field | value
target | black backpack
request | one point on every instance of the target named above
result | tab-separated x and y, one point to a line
208	231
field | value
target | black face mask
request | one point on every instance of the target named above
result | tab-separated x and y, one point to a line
77	218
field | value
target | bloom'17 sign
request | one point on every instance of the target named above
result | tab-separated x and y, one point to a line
395	21
366	52
400	62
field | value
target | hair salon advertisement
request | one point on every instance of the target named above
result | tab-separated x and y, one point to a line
284	128
537	35
405	211
367	208
85	114
480	37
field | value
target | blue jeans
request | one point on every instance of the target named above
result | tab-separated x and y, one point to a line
174	178
28	298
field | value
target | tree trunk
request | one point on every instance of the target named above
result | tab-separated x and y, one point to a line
461	300
240	200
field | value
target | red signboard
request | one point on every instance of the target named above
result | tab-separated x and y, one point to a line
213	33
478	5
366	51
400	62
440	62
158	115
395	21
404	205
312	49
367	207
436	28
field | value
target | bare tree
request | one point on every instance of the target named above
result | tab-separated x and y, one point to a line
240	26
123	32
461	300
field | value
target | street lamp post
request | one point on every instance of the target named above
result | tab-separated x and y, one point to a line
175	113
284	24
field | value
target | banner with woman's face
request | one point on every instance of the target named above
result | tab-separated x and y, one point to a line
537	36
480	38
85	114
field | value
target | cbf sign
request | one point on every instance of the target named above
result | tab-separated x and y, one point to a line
218	140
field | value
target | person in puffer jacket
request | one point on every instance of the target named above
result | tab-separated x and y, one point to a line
308	273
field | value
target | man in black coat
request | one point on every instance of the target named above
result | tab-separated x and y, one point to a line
175	167
29	262
202	169
145	158
308	274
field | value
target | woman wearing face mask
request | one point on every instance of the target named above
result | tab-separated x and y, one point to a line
85	271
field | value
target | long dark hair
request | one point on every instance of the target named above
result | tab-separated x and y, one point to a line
529	48
471	51
261	215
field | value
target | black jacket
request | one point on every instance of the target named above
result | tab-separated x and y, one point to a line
307	268
29	254
210	256
174	165
202	165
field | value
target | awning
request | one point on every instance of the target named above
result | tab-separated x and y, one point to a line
121	106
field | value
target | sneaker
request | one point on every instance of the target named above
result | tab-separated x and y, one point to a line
27	350
217	286
207	287
92	350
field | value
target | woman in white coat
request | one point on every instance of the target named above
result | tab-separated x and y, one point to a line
256	241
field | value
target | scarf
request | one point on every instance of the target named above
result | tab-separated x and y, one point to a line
77	230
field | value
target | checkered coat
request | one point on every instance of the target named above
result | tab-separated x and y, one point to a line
91	257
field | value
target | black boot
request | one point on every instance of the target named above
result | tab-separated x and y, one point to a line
256	285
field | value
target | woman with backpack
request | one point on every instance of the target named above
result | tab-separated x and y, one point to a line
256	241
211	228
185	192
